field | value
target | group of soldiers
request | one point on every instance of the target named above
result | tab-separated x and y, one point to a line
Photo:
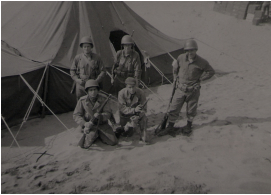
94	114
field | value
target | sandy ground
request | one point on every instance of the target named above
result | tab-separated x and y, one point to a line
229	151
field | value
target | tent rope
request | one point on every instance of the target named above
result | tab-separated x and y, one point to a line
144	85
30	106
39	98
160	72
10	131
60	70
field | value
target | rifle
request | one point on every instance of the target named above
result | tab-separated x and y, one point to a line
113	75
95	121
143	105
73	87
162	125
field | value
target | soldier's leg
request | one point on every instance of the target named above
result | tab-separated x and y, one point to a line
191	110
174	111
90	138
176	105
107	135
125	123
80	91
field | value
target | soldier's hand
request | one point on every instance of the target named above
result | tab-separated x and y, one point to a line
88	125
86	130
97	115
138	108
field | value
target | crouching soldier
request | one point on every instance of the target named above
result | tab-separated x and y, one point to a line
92	114
132	108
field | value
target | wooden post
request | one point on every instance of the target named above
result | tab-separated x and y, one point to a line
45	92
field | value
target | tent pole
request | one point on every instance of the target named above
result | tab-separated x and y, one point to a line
45	92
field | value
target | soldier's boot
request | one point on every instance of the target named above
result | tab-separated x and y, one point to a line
118	130
169	128
187	130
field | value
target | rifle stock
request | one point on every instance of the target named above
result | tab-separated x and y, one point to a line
165	119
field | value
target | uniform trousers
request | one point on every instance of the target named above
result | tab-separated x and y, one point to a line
180	97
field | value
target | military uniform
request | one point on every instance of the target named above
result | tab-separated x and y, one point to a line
127	105
84	112
126	66
86	67
190	74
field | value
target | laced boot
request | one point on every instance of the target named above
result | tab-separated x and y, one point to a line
187	131
166	131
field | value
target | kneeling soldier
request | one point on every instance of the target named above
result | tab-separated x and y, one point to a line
132	107
91	108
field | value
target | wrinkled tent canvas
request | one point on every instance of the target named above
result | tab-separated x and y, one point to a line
40	34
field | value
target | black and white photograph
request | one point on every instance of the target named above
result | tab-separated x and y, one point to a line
135	97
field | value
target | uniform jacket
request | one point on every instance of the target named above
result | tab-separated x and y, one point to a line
87	68
129	64
192	73
125	102
85	109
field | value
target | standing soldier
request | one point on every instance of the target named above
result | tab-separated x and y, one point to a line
132	106
190	69
127	64
85	66
87	109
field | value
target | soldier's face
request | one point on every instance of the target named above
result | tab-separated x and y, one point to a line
191	53
127	48
131	88
92	92
86	48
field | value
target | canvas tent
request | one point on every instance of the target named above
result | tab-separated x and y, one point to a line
40	40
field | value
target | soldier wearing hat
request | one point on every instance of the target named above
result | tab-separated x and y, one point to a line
85	66
132	113
190	69
87	109
127	63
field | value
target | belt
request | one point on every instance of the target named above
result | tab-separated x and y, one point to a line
189	88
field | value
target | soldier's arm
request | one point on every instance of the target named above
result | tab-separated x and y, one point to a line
73	69
122	106
208	72
102	71
78	114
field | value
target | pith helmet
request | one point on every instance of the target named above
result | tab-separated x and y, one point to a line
86	39
190	44
91	83
130	81
127	39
